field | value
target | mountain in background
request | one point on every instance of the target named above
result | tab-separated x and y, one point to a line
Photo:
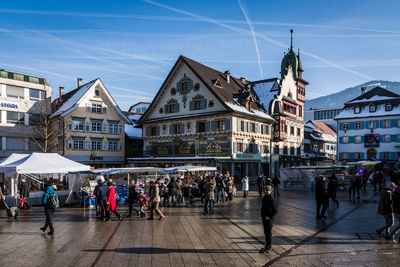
338	99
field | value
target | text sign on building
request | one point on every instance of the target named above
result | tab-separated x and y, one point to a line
216	147
184	148
161	149
371	140
9	105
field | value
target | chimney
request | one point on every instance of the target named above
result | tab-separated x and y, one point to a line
227	75
61	91
79	82
243	80
363	90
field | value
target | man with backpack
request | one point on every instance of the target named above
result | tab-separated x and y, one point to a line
50	203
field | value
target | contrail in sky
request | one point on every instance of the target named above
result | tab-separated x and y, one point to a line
254	38
277	43
148	17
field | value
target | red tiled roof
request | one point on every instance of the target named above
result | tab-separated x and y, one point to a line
323	127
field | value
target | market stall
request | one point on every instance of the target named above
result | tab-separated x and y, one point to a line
37	168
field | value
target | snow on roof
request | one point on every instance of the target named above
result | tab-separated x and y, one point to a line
325	137
348	113
133	132
253	112
263	91
374	98
74	99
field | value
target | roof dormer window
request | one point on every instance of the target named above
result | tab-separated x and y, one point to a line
357	109
372	108
388	107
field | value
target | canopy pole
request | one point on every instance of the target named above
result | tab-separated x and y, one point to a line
129	182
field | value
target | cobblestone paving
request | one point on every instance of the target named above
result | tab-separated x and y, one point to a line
230	237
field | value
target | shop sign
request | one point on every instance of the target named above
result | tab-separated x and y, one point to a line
9	105
161	149
215	147
244	156
184	148
371	140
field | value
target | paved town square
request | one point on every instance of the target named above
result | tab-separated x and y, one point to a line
230	237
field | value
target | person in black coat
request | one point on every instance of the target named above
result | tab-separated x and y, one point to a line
102	196
260	184
172	191
24	193
132	197
321	197
268	211
332	188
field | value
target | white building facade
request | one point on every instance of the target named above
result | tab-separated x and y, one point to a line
369	127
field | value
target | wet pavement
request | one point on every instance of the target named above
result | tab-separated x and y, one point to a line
230	237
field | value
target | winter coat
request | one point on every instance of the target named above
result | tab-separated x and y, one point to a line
385	203
259	181
245	184
332	187
172	188
209	191
112	203
320	193
276	181
46	201
155	193
102	192
179	187
133	195
268	207
396	200
24	189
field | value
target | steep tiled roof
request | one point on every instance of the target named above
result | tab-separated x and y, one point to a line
323	127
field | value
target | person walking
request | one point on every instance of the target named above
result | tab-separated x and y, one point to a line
321	197
276	183
268	212
260	184
179	192
155	200
245	186
172	190
202	188
220	188
132	197
47	201
111	203
229	187
24	194
332	189
101	197
385	208
209	197
396	211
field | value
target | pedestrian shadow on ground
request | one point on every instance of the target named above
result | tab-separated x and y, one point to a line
21	233
155	250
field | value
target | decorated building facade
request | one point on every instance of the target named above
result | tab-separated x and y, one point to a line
204	116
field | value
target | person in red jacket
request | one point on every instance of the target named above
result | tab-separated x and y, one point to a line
111	203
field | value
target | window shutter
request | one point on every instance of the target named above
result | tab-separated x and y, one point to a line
88	107
166	109
182	130
70	144
89	145
340	140
352	125
381	155
158	130
234	147
104	110
207	126
362	138
351	139
148	131
190	85
119	129
69	125
104	127
246	126
362	155
105	145
228	124
212	126
393	138
191	105
171	129
177	107
204	103
341	126
393	123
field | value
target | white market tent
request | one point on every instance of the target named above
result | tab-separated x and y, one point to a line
189	168
41	163
12	158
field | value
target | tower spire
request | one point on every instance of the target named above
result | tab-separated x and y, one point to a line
291	39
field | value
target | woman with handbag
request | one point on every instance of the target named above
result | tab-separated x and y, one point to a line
111	203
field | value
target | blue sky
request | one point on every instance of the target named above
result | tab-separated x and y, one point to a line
132	45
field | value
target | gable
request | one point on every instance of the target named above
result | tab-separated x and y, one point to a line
183	89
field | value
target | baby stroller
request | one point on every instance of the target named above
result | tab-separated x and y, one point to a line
142	203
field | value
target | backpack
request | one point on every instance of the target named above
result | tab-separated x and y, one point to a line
54	203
